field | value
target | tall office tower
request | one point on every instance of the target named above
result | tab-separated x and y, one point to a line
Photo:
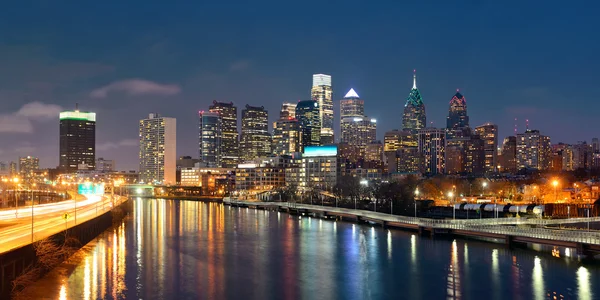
456	155
256	140
28	165
210	135
567	158
77	140
508	161
457	119
533	150
286	131
489	133
12	167
288	110
595	145
358	132
322	93
432	149
158	145
309	122
475	155
351	105
230	154
414	117
582	155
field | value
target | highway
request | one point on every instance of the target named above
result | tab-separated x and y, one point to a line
48	219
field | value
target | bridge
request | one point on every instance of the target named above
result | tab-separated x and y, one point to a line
509	230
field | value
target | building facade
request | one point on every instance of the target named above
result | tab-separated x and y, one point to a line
158	142
230	155
105	165
489	134
77	140
28	166
309	122
255	140
319	167
432	150
323	93
351	105
210	135
358	132
286	136
508	158
414	117
533	150
457	119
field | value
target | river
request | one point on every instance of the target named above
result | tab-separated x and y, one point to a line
170	249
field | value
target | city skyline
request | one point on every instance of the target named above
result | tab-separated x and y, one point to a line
156	71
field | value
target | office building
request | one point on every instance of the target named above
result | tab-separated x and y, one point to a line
77	140
28	166
358	132
255	140
508	157
457	119
210	138
307	114
230	155
158	145
286	132
489	133
288	110
414	117
105	165
351	105
533	150
322	93
432	150
319	167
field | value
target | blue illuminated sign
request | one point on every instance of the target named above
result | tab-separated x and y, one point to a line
314	151
89	188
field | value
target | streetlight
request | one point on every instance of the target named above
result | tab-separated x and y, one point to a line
450	195
555	184
483	186
416	196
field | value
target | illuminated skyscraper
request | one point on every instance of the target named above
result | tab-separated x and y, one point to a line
414	117
256	140
77	140
457	119
158	145
28	165
286	131
351	105
432	149
229	132
321	92
307	114
489	134
210	138
358	132
508	161
533	150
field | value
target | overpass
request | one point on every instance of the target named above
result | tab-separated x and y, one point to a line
509	230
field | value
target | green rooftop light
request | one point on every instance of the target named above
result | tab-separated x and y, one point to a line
78	115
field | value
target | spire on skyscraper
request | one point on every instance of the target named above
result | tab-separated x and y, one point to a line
413	117
414	79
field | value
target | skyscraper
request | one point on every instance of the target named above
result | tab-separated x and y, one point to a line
358	132
210	138
229	132
457	119
307	114
533	150
351	105
286	131
158	143
508	161
77	140
414	117
255	140
321	92
432	149
27	166
489	133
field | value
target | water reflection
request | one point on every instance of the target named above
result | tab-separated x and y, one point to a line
193	250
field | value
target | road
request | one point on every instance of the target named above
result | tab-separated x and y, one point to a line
48	219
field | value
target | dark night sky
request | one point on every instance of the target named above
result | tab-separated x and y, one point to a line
124	59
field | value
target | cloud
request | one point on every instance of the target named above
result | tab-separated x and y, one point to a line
20	121
239	65
119	144
39	110
136	87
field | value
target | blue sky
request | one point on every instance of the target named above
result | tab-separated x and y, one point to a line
124	59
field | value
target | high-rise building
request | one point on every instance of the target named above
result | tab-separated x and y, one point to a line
432	149
77	140
286	131
475	155
229	132
319	167
210	136
508	158
288	110
595	145
489	133
309	122
582	155
358	132
105	165
414	117
158	144
28	165
256	140
533	150
456	155
457	119
351	105
322	93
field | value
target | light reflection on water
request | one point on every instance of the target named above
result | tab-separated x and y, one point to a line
193	250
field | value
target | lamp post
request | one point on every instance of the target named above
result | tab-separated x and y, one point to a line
450	195
416	196
483	186
31	190
16	192
555	184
